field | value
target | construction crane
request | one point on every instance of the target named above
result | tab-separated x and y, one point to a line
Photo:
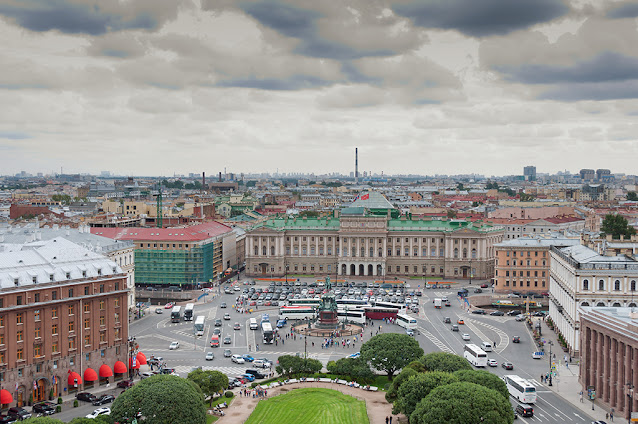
159	207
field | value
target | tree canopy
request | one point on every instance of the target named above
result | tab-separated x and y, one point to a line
162	399
402	377
617	225
289	365
42	420
419	386
355	368
463	403
210	382
485	379
390	352
632	196
447	362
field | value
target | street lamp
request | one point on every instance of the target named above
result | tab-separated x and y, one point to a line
551	343
630	395
131	350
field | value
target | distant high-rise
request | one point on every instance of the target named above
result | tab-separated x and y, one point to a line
356	165
603	174
530	173
587	174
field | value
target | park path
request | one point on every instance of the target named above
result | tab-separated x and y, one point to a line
376	405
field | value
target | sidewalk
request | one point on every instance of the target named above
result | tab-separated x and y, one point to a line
566	384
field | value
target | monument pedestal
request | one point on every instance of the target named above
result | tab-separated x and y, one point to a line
327	319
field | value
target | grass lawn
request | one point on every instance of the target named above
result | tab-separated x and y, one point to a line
317	406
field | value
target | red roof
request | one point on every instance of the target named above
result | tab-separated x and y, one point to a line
194	233
562	219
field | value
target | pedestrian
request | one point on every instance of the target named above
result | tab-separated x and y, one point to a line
581	396
607	416
387	419
390	419
495	344
541	378
611	414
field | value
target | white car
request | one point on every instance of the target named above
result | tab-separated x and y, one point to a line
173	346
260	363
99	411
210	356
237	359
146	375
465	336
492	363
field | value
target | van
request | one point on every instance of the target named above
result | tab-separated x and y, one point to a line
253	324
524	410
487	347
214	341
255	373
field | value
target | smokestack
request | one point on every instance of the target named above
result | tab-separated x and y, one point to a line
356	165
220	177
203	180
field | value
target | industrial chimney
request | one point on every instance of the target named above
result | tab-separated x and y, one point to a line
356	165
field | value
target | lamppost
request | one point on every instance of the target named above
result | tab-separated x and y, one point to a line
132	346
551	343
630	401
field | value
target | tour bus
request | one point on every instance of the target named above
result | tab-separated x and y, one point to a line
265	317
267	333
176	314
308	301
520	388
253	324
401	307
188	312
214	341
406	321
475	355
379	312
351	302
355	315
297	312
199	325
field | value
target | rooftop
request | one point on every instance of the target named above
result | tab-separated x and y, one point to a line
198	232
539	242
372	200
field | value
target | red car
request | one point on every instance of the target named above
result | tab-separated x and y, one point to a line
253	303
125	384
484	286
169	305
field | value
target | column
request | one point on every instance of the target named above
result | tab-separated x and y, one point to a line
606	379
429	251
633	377
594	359
613	375
599	365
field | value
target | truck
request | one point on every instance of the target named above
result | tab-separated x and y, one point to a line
437	303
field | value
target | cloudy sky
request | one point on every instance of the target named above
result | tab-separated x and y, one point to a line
156	87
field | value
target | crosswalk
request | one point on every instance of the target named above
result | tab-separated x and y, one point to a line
438	343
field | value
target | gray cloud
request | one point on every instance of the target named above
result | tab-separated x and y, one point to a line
610	90
295	82
14	135
629	10
481	18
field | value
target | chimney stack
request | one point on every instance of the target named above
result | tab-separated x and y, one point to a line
203	181
356	165
220	177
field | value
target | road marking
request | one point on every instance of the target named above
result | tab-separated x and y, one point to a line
438	343
504	339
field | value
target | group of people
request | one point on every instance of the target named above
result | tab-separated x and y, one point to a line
257	392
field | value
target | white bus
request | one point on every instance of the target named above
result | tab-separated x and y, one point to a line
305	302
176	314
400	306
188	312
520	388
253	324
406	321
296	312
475	355
352	302
267	333
354	315
199	325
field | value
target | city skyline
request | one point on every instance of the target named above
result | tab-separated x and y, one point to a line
424	88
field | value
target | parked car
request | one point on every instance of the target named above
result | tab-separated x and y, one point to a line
173	346
507	365
21	413
497	313
146	374
513	296
516	339
103	399
210	356
492	363
99	411
45	408
125	384
85	396
354	355
237	359
159	311
478	311
8	419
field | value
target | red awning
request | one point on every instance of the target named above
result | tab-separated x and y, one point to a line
105	371
141	358
74	376
90	374
130	363
5	397
120	368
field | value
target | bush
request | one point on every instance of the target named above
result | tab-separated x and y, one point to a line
58	408
228	394
60	400
76	403
253	385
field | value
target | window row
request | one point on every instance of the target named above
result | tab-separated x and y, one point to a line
525	283
617	285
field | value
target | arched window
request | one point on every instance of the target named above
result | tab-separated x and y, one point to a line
601	285
584	304
632	285
616	305
586	285
600	304
456	252
473	253
632	305
617	285
272	250
256	251
263	250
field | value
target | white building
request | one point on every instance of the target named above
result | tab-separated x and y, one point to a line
580	277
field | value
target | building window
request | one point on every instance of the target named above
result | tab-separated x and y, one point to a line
585	285
456	252
116	303
19	336
442	252
20	355
633	285
36	315
102	320
72	345
102	340
87	342
601	285
617	285
86	290
36	297
36	332
117	317
19	318
87	307
71	310
18	300
101	305
54	295
54	329
37	351
118	335
87	323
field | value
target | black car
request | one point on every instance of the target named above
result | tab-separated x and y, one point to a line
516	339
478	311
8	419
513	313
125	384
525	410
18	412
218	323
538	314
497	313
477	290
85	396
103	399
45	408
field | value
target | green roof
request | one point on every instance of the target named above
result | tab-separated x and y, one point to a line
301	224
444	226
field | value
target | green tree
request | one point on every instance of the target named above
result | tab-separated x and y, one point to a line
402	377
353	368
42	420
417	366
617	225
451	213
162	399
632	196
390	352
290	365
100	419
65	199
463	403
416	388
485	379
210	382
447	362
